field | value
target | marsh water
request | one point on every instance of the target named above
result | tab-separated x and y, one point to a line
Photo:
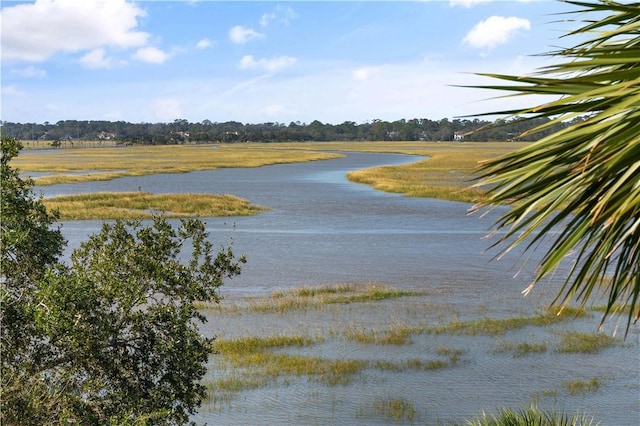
322	229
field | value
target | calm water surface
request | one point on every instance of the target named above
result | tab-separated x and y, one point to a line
323	229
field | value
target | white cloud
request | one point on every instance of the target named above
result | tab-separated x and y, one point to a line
278	110
269	65
151	55
12	91
167	109
266	19
281	14
97	59
467	3
204	43
494	31
34	32
365	73
30	72
242	35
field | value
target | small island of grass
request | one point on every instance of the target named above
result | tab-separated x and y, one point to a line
143	205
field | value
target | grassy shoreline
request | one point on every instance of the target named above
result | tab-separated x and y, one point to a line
447	172
143	205
99	164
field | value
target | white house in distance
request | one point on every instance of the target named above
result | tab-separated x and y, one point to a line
458	136
106	136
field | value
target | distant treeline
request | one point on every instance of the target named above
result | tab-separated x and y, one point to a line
181	130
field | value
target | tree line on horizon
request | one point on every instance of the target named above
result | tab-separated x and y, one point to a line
181	131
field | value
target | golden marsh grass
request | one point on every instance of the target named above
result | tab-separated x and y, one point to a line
446	173
306	297
142	205
108	163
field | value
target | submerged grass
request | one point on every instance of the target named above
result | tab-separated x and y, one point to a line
143	205
575	387
304	298
274	361
395	409
590	343
256	365
252	344
521	349
398	334
497	326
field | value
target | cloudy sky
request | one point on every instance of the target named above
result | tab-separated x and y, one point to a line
265	61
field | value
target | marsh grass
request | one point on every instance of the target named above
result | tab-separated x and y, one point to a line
418	364
521	349
497	326
256	355
399	333
394	409
236	383
447	173
143	205
305	298
255	364
575	387
146	160
271	362
252	344
589	343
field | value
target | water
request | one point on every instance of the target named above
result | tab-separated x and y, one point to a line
323	229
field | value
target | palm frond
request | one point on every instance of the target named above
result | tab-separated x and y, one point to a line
580	186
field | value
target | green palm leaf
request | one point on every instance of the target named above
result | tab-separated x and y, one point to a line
580	186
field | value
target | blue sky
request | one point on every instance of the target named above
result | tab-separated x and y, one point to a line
265	61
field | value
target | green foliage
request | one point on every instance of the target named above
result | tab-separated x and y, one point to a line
584	180
113	337
57	134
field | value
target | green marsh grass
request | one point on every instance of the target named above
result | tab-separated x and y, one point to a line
497	326
589	343
575	387
253	344
305	298
418	364
395	409
255	356
398	333
260	360
143	205
521	349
